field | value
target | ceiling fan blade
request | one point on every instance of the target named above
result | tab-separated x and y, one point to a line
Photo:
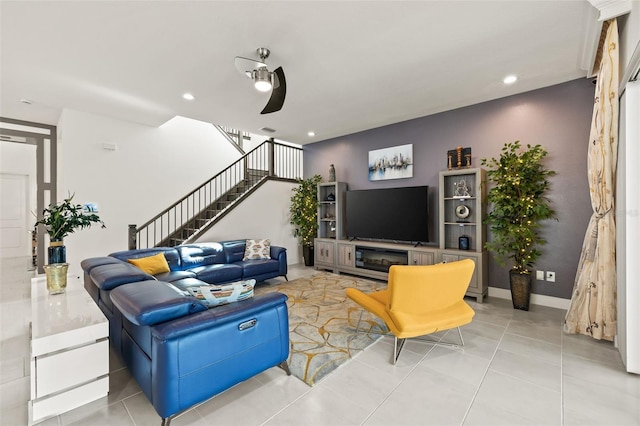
246	65
278	93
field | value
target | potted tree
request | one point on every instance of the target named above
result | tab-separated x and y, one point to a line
304	214
518	206
60	220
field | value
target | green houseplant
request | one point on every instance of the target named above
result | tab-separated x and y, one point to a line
518	206
304	214
62	219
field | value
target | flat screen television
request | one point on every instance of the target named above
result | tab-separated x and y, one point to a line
394	214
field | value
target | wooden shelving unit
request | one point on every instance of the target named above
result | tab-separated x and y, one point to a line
461	200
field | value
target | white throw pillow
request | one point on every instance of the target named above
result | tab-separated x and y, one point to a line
257	249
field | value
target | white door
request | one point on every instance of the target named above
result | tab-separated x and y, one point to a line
14	238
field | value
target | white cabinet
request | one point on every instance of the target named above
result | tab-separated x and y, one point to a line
64	370
69	350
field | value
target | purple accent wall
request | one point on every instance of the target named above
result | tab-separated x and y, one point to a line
556	117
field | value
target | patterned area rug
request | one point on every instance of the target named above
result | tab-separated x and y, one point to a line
322	322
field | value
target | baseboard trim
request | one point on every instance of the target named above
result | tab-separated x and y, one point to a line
536	299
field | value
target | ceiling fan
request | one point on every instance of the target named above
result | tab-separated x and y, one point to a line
264	80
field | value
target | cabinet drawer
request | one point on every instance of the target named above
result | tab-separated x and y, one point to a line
65	401
346	256
474	284
66	369
448	257
421	258
324	252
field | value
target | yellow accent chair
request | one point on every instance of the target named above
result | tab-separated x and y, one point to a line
420	300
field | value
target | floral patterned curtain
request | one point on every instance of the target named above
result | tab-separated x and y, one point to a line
593	303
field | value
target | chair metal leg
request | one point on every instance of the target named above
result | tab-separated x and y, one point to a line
460	334
166	421
358	324
396	349
440	342
369	332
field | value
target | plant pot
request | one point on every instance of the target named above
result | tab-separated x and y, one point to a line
307	254
56	277
57	252
520	290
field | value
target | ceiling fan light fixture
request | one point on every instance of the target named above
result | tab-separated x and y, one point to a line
262	79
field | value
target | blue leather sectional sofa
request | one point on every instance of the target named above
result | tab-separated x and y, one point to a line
180	352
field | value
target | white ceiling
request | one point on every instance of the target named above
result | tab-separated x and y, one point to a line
350	65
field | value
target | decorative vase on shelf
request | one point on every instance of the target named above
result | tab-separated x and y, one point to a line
332	173
57	252
56	277
60	220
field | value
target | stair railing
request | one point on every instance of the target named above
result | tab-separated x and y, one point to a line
270	160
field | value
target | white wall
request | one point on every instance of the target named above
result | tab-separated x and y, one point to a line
627	200
150	169
628	228
264	214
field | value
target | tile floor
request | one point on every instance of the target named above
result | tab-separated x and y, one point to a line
516	368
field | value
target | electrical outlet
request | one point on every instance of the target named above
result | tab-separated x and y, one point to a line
551	276
540	275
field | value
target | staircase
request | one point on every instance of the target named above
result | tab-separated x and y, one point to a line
214	212
196	212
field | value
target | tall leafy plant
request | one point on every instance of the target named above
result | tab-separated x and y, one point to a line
518	204
62	219
304	209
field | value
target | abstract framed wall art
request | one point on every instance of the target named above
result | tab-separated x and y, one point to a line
395	162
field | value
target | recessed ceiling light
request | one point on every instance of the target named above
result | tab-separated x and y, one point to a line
188	96
311	134
510	79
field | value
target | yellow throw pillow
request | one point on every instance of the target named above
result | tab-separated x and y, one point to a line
153	265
